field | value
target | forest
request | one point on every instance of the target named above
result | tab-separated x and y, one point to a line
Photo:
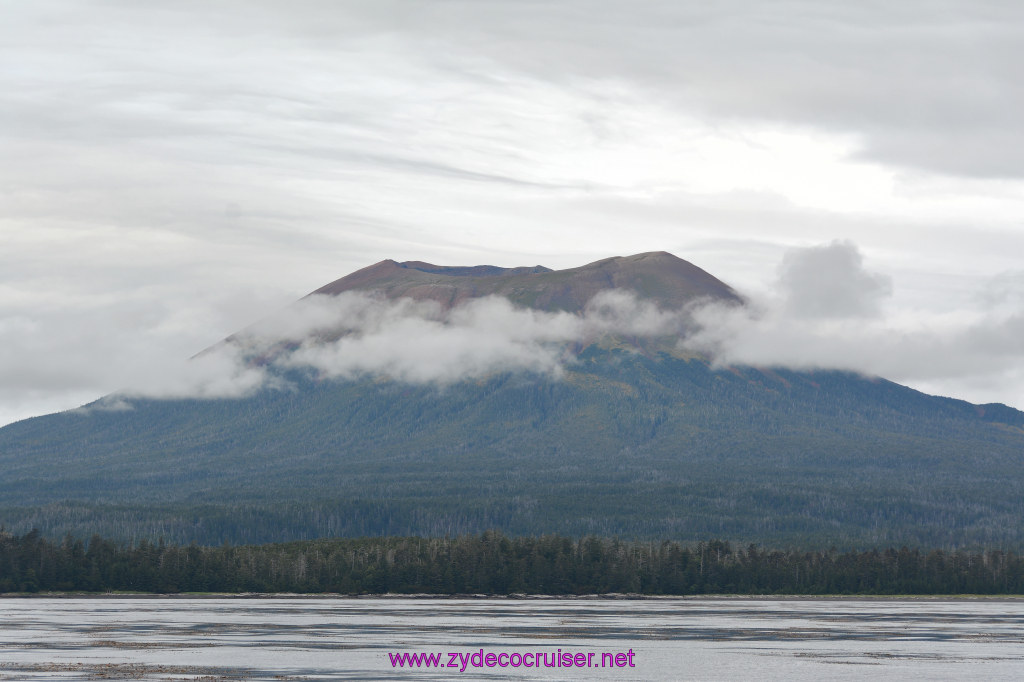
494	564
623	445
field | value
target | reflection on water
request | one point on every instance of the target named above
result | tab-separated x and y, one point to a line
288	637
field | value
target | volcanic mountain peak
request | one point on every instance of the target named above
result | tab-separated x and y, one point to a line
469	270
668	280
646	444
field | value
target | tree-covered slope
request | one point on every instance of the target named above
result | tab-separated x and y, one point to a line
623	443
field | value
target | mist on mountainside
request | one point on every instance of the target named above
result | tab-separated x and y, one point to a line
421	323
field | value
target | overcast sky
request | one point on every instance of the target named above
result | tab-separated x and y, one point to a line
169	174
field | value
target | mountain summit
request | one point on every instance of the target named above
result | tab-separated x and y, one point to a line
667	280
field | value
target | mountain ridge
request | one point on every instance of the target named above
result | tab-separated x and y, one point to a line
659	276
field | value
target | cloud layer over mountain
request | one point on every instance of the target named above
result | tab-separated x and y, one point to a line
356	335
826	311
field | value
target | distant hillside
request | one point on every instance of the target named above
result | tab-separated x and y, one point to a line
630	442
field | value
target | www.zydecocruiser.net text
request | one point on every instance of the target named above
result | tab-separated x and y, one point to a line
463	660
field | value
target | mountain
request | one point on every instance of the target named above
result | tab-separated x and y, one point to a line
627	439
660	277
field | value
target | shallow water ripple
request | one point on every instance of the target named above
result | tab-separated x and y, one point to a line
338	638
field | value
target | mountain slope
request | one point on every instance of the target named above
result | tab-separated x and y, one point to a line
637	444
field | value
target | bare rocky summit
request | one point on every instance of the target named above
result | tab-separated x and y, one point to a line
669	281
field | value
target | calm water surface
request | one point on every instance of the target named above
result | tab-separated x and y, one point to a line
325	638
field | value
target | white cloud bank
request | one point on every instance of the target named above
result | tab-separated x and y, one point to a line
357	335
825	310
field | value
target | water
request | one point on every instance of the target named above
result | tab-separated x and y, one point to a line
333	638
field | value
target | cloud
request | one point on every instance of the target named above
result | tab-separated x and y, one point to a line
219	373
356	335
830	282
477	339
1003	291
794	326
923	85
824	311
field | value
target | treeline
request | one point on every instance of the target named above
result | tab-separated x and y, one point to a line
816	517
492	563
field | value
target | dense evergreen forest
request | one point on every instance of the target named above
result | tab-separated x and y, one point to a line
492	563
623	445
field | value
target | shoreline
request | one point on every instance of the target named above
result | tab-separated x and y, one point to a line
516	597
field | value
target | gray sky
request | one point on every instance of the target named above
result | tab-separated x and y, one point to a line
170	174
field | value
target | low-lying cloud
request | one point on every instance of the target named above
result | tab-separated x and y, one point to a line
356	335
825	310
793	325
829	282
